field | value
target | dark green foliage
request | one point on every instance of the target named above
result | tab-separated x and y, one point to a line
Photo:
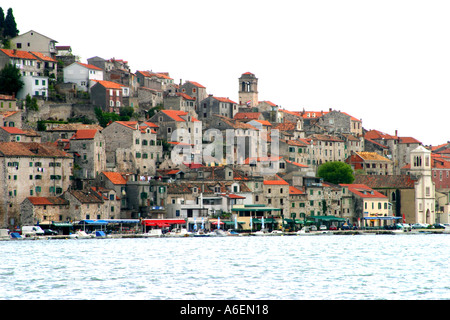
31	103
10	26
10	81
336	172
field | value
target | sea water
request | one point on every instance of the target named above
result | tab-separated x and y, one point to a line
325	267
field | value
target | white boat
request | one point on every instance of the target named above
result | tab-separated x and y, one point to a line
153	233
201	233
4	234
80	235
277	233
218	233
178	233
233	233
305	231
262	233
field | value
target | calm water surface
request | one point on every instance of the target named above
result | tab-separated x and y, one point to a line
290	267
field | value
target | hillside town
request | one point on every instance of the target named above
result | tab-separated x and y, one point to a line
93	142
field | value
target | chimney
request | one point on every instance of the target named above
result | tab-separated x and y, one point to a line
396	133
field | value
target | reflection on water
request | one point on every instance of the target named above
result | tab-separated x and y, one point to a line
290	267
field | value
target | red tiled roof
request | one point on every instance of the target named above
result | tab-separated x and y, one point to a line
115	177
262	159
42	201
31	149
363	191
247	115
84	134
294	190
196	84
222	99
264	122
42	56
375	135
409	140
275	182
176	115
151	124
184	96
297	164
109	84
19	54
233	196
89	66
13	130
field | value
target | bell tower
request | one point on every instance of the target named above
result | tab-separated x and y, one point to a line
248	90
424	188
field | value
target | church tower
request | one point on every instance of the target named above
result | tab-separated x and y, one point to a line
248	90
420	160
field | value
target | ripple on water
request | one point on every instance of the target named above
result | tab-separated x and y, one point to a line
371	267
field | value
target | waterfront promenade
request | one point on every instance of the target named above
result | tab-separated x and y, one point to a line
248	234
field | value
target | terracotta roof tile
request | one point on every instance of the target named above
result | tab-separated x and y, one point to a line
13	130
31	149
247	115
18	54
41	201
109	84
385	181
115	177
84	134
363	191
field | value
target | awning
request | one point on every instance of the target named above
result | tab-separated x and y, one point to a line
154	222
327	218
382	218
255	209
232	222
62	224
122	220
94	222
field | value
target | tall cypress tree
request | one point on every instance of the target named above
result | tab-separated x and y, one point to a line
10	29
2	21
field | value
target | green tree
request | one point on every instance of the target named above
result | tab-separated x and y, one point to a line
336	172
105	117
10	29
10	81
31	103
2	21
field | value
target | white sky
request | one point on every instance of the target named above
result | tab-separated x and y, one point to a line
385	62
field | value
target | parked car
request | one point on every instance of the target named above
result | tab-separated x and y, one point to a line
313	228
419	226
323	227
438	226
333	227
50	232
30	231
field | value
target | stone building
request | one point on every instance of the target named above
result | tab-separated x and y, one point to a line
44	210
248	90
180	101
212	105
132	147
89	149
34	41
327	148
276	194
30	169
371	163
108	95
196	91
